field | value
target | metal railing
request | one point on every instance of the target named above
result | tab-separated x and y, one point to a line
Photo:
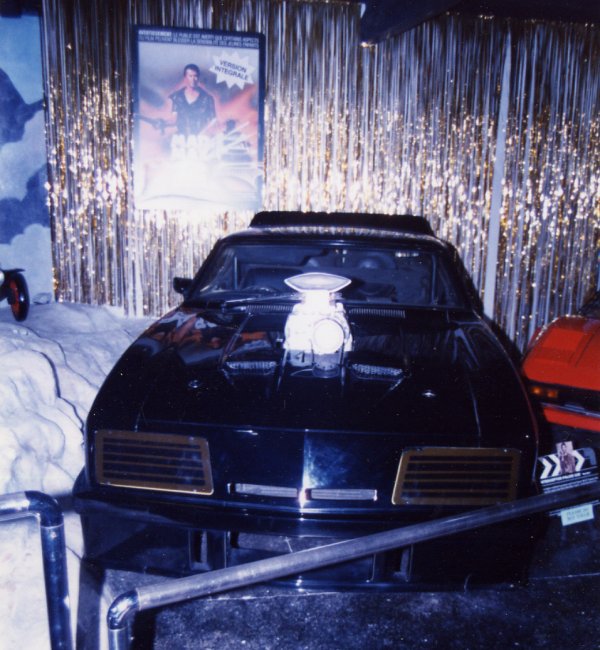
50	517
124	608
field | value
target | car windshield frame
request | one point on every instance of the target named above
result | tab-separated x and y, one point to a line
378	270
370	261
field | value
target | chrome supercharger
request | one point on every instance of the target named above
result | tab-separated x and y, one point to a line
317	333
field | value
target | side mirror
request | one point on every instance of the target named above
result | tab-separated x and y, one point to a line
181	285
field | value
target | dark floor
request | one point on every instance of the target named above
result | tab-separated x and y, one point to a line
558	609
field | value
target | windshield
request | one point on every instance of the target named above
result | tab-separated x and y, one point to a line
400	275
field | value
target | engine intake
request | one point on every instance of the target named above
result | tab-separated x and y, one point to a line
317	331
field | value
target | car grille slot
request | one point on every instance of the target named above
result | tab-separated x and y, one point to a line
153	461
263	308
370	371
375	312
344	494
456	476
251	367
251	489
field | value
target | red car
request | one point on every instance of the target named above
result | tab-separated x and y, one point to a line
562	366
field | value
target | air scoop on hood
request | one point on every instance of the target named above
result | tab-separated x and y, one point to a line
317	331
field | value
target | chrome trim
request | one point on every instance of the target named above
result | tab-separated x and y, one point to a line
575	410
317	494
265	490
349	494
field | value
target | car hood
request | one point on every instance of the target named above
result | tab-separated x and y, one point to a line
409	373
566	353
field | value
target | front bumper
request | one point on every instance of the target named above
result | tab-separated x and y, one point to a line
144	532
584	427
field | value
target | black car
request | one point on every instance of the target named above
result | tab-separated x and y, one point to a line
326	376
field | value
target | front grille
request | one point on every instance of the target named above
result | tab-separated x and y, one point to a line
153	461
456	476
304	494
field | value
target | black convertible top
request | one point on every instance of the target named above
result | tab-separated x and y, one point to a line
391	222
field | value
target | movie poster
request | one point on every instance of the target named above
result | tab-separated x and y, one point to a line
198	117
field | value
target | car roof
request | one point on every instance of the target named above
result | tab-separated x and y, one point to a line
343	221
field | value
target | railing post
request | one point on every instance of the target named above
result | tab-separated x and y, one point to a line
52	534
121	613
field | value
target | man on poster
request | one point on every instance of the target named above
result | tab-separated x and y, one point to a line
193	106
194	110
566	459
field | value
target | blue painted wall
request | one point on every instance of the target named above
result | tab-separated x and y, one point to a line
24	220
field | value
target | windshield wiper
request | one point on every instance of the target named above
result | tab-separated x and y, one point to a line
231	298
250	300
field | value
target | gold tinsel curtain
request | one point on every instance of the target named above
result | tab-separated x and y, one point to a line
489	128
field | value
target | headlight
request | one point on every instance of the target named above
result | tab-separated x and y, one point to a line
1	277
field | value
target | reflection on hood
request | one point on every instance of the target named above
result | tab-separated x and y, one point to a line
233	367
